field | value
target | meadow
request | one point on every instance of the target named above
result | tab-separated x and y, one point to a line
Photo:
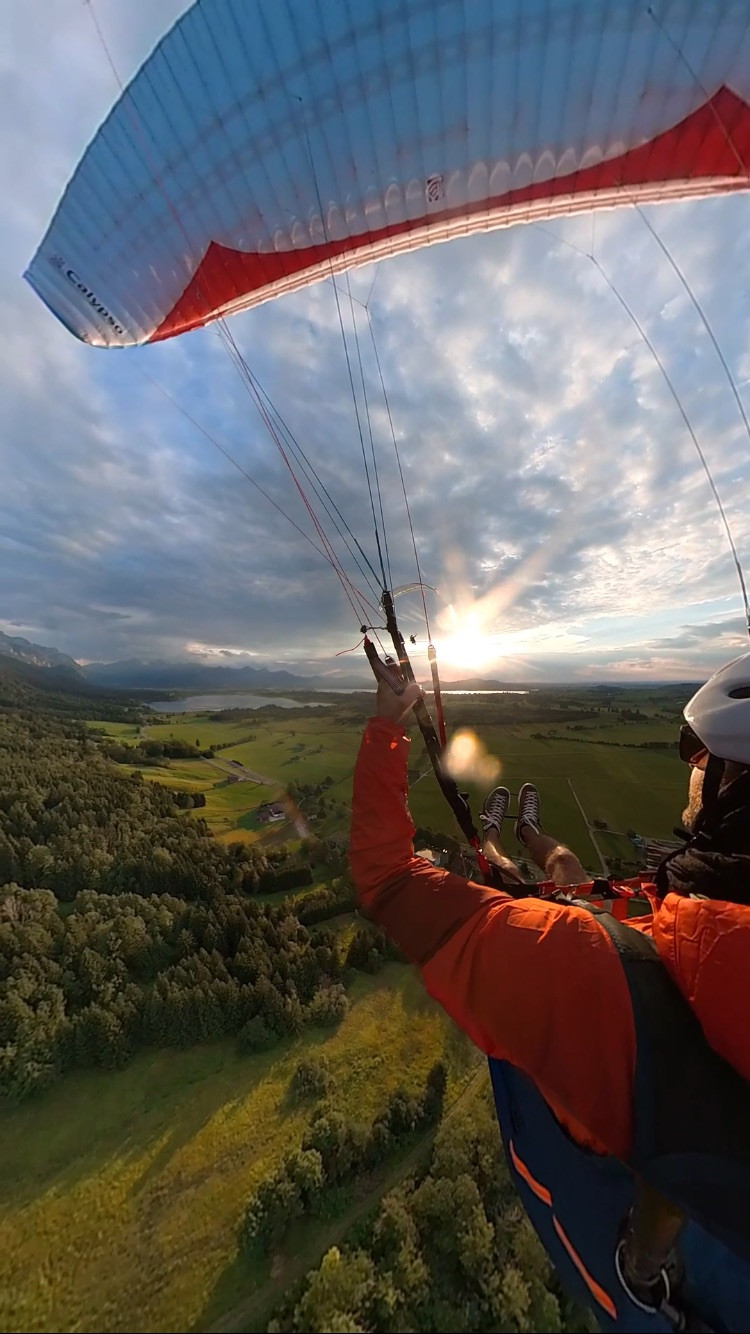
626	788
121	1193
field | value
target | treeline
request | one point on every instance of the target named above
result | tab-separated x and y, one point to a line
449	1249
435	840
305	791
601	741
333	1153
124	924
149	751
480	711
87	989
327	901
271	712
70	822
234	741
188	801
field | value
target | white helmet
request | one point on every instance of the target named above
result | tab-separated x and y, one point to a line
719	713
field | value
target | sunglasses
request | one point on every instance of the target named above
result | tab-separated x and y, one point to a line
690	748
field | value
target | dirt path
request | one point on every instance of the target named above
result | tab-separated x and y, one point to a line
257	1310
590	827
239	770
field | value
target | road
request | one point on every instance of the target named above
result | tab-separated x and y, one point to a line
239	771
590	827
225	767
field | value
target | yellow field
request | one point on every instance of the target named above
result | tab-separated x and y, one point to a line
120	1194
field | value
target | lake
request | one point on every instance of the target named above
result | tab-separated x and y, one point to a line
216	703
219	703
446	690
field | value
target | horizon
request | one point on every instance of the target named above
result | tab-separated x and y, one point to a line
470	683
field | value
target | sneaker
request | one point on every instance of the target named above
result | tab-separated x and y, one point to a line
528	811
495	809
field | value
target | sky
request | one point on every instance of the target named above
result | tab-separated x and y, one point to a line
560	511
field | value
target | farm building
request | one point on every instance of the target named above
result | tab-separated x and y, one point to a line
271	811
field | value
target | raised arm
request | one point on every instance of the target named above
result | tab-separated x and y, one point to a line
531	982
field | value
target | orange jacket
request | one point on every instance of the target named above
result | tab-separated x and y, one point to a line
532	982
705	946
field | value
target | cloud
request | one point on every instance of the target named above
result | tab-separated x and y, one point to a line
551	480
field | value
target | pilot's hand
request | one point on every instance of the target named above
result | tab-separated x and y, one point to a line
393	706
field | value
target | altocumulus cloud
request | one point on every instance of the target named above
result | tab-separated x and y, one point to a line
553	485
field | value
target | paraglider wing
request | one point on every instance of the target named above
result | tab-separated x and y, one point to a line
264	144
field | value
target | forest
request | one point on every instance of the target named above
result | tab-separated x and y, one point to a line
449	1249
123	924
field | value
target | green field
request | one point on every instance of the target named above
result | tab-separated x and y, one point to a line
229	809
198	727
120	1194
325	750
285	751
600	766
627	788
125	732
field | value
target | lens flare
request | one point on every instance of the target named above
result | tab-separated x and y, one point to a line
466	759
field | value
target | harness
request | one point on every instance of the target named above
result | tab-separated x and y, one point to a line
663	1241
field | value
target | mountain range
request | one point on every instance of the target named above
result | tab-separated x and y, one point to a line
38	655
134	673
137	674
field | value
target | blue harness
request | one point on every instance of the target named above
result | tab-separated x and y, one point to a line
691	1142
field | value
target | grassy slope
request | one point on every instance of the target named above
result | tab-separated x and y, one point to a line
306	1245
120	1194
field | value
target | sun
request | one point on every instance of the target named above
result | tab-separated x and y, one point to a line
466	643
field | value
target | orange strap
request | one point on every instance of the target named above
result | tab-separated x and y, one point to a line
597	1291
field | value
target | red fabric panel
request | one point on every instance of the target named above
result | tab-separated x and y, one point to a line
712	142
